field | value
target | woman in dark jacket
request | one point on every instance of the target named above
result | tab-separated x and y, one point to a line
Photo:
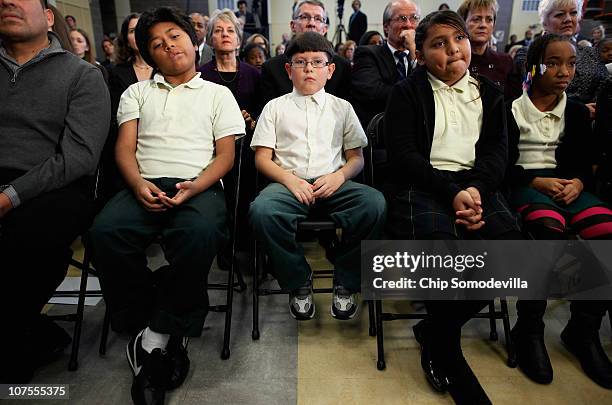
243	80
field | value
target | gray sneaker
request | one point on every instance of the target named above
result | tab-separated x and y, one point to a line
344	303
301	303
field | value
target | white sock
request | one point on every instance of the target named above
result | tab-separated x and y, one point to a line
153	340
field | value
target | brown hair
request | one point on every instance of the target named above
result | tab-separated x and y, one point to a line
61	29
89	54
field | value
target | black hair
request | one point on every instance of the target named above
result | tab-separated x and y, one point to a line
249	48
68	16
537	49
603	42
446	17
441	7
309	42
44	3
241	2
159	15
365	38
123	53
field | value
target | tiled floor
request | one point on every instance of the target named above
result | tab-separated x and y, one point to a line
322	361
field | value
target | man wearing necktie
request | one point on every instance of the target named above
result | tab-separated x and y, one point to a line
358	22
377	68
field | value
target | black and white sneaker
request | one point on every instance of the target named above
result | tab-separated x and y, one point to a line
344	303
178	361
301	303
150	373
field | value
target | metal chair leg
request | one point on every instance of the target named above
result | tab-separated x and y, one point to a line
371	319
256	272
509	344
76	338
493	334
380	364
225	352
105	328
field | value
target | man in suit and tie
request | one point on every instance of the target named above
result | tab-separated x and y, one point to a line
377	68
308	15
200	24
358	22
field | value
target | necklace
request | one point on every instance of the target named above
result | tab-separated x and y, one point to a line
228	81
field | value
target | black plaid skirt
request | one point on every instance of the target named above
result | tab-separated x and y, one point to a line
414	214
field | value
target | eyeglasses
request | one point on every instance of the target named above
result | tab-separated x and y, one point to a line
304	18
414	18
302	63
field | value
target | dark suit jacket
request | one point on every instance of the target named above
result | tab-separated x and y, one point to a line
374	74
357	26
275	81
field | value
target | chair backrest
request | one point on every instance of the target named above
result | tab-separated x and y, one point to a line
375	153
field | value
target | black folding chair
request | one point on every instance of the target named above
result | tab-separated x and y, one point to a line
376	156
235	281
314	223
77	317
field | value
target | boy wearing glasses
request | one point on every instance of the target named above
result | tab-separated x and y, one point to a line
308	16
308	143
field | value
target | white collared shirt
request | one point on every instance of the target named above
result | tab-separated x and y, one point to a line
457	125
309	134
541	132
178	126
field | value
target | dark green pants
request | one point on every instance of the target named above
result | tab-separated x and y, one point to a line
175	300
358	209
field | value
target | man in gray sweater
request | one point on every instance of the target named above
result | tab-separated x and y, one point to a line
54	119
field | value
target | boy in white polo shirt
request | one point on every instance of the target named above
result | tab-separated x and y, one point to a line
308	143
176	141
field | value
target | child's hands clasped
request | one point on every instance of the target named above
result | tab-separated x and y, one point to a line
186	190
327	185
570	192
550	186
560	190
146	193
467	205
301	189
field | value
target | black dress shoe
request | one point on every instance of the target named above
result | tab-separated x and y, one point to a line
179	362
586	346
150	373
531	354
433	370
463	386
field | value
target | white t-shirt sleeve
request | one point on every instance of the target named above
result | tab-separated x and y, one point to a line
265	131
228	119
354	136
129	104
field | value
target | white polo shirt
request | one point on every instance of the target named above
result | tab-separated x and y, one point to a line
309	134
178	126
457	125
541	132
